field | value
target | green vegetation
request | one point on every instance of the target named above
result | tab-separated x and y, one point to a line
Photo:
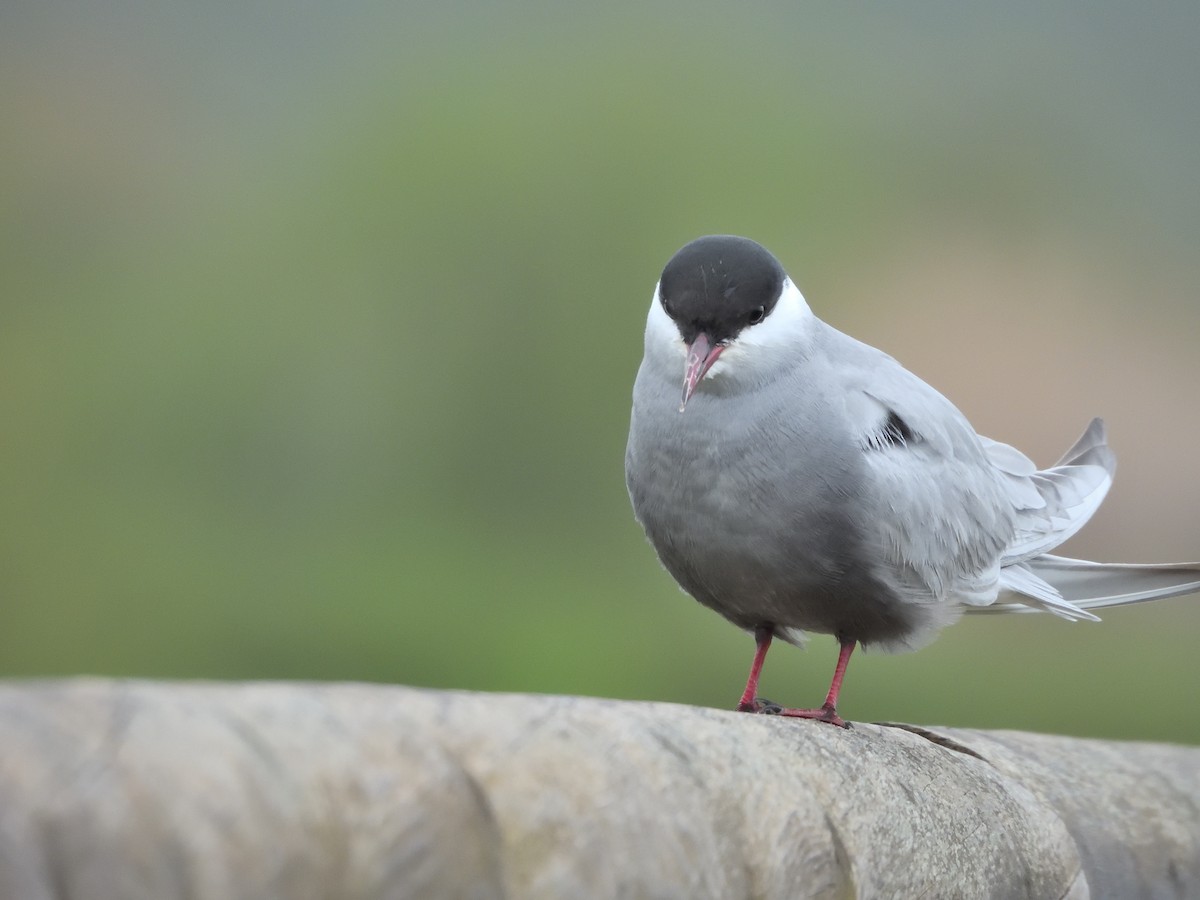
316	335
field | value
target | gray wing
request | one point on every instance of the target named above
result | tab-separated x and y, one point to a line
943	512
964	518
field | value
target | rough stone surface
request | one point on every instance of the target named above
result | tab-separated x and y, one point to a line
129	790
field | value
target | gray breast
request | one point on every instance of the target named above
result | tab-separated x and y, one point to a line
756	517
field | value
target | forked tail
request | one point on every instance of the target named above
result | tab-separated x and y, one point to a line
1053	504
1092	585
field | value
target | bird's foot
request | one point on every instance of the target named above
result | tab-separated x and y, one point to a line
760	705
826	713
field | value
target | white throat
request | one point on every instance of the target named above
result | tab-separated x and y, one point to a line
759	353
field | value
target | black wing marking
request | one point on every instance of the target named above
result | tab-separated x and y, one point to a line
891	432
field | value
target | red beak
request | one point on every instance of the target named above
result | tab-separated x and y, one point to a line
701	354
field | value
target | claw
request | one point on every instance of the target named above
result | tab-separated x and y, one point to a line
824	714
765	707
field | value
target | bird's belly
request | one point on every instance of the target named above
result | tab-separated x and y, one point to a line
758	540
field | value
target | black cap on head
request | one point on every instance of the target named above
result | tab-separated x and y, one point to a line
719	285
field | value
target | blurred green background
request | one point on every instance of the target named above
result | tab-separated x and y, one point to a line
318	324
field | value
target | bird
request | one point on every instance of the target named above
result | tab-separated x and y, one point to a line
794	479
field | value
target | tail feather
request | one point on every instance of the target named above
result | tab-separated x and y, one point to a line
1091	449
1036	593
1053	504
1093	585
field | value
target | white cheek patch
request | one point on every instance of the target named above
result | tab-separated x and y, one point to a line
763	350
662	335
782	328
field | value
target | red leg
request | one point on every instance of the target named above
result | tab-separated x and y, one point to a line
828	711
762	641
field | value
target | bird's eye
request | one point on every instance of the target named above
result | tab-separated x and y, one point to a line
757	315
